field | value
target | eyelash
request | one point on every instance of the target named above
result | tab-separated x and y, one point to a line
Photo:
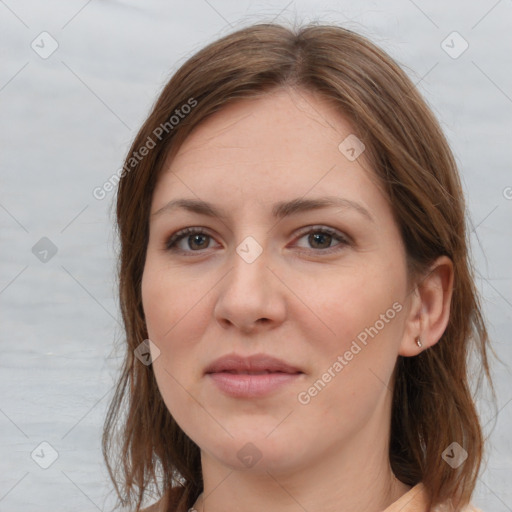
172	241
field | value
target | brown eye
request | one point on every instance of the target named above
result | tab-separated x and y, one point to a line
195	240
321	239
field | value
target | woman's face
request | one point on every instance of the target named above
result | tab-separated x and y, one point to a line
322	289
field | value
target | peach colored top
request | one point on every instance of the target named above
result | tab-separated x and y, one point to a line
415	500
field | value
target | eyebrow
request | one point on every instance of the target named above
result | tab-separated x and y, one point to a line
279	210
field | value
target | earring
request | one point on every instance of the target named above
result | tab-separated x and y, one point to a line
418	342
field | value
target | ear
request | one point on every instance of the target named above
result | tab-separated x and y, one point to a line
429	308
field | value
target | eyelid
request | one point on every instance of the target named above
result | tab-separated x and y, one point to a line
343	239
179	235
342	236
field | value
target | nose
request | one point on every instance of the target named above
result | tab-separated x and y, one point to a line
251	297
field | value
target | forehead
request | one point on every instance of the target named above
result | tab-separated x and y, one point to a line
280	121
284	142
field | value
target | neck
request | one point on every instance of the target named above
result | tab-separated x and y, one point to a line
361	481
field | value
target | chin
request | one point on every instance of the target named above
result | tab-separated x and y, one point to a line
254	451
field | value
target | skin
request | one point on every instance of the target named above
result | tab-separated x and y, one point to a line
296	301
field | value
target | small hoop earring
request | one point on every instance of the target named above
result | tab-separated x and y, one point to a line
418	342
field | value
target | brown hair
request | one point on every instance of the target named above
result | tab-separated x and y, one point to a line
432	401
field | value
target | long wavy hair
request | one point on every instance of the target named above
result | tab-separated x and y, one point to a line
433	404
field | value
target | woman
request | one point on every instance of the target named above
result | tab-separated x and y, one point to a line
296	289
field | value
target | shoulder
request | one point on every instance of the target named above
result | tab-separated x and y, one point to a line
168	502
156	507
446	508
449	508
471	508
416	500
159	506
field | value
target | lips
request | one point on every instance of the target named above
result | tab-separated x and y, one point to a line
257	364
253	377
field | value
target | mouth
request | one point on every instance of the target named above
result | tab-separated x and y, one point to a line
252	385
253	364
251	377
244	372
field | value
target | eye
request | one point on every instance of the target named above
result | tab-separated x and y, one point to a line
320	237
195	239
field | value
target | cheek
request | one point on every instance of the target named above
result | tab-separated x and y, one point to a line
351	378
354	304
174	323
169	303
360	346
